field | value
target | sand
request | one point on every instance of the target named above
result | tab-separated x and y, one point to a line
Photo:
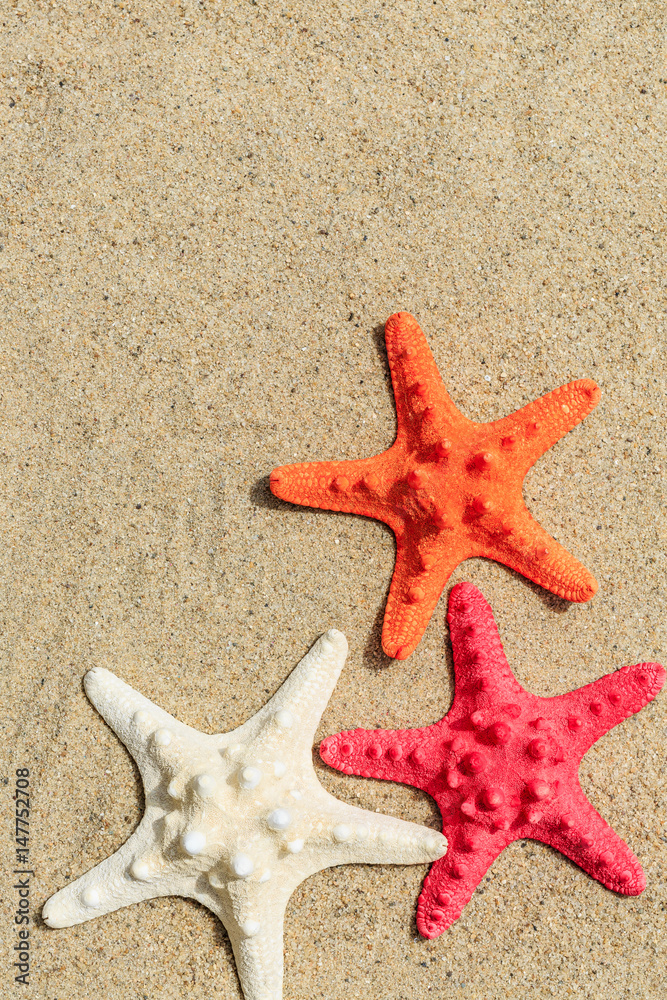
209	210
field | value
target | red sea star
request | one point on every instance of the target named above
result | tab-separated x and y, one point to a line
503	765
448	488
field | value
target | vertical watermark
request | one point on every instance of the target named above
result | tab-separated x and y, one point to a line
22	874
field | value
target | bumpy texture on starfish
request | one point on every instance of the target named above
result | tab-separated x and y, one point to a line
236	821
503	765
448	488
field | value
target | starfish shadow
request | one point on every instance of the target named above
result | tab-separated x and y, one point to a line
551	601
377	333
447	642
261	496
374	657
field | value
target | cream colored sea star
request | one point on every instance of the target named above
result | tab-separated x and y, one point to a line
236	821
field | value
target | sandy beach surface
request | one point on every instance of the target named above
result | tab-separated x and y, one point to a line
207	212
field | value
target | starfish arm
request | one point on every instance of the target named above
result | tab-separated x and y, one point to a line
524	546
146	730
450	884
596	708
361	837
355	487
406	755
292	715
532	430
483	675
584	837
134	873
417	382
253	916
414	594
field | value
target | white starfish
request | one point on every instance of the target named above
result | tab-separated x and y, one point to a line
236	821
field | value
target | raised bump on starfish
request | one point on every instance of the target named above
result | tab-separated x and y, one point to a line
503	765
238	820
449	488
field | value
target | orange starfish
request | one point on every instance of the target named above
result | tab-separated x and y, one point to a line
449	488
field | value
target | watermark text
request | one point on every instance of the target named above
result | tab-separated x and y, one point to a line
22	875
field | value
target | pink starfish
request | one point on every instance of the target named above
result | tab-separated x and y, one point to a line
503	765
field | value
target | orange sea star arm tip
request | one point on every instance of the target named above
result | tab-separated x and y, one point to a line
585	591
398	651
591	392
399	318
280	480
578	592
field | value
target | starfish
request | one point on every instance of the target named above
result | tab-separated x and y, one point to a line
503	765
449	488
236	821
